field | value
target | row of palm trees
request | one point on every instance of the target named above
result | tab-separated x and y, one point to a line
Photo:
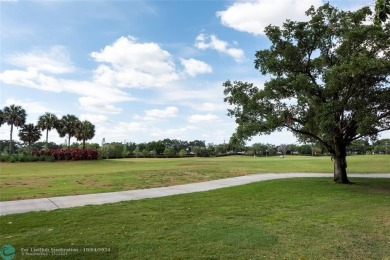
68	126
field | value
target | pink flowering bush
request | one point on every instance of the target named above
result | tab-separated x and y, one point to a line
69	154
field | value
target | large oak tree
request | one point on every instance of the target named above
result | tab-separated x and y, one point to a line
329	82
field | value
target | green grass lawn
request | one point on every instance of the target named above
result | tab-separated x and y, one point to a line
47	179
308	218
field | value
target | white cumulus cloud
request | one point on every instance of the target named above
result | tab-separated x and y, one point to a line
95	118
204	42
92	94
31	106
254	16
94	104
131	127
129	63
174	133
168	112
194	67
28	78
56	60
202	118
210	107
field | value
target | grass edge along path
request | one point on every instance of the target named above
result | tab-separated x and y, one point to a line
300	218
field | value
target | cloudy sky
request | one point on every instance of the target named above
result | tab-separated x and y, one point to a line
139	70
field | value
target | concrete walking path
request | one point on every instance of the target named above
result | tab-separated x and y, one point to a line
22	206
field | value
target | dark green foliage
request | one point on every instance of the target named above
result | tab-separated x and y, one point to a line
25	158
5	144
382	146
182	153
382	11
145	153
358	147
169	152
84	131
111	150
305	149
2	121
30	134
201	151
67	126
42	145
158	147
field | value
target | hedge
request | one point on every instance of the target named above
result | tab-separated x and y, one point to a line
69	154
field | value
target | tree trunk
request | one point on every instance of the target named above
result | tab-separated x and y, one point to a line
10	139
83	144
68	141
340	164
47	137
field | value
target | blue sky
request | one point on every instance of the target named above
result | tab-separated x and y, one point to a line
139	70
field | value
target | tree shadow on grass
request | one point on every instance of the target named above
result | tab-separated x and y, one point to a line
370	185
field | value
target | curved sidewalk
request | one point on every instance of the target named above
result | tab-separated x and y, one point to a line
22	206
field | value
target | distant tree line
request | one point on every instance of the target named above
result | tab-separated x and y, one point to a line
169	148
198	148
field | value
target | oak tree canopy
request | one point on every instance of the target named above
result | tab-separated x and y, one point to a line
328	82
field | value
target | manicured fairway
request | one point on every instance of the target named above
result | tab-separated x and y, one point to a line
280	219
47	179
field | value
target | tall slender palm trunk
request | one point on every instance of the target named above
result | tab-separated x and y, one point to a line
47	138
10	139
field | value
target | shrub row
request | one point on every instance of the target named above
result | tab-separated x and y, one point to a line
69	154
24	158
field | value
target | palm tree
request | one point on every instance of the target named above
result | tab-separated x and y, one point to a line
29	134
67	125
13	116
85	131
47	122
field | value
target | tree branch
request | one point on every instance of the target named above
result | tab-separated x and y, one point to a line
328	147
